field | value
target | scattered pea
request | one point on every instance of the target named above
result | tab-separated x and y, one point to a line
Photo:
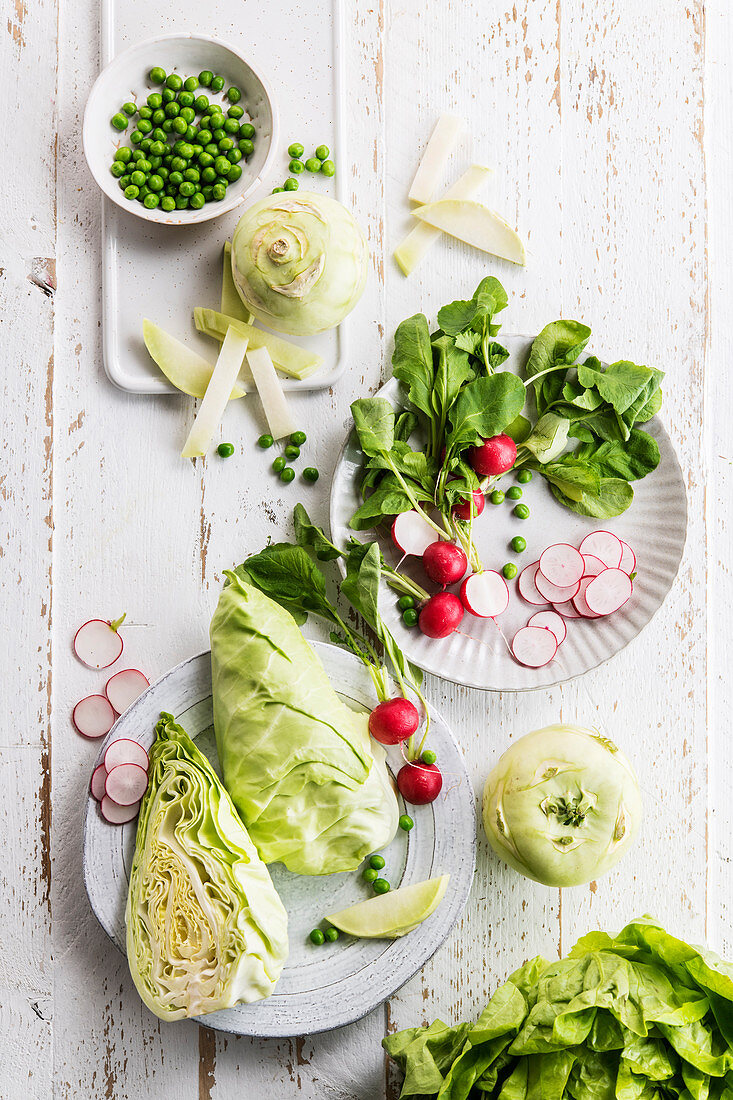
217	83
497	497
510	570
265	441
154	100
277	190
317	937
156	75
296	149
381	886
246	147
287	474
405	602
235	173
328	168
410	617
298	438
205	78
406	823
136	137
521	511
119	121
247	130
429	757
279	464
290	184
514	493
201	103
291	452
130	108
310	473
369	874
518	544
168	95
190	84
226	450
295	166
323	152
524	476
313	164
331	934
174	82
377	862
235	113
151	200
186	99
234	95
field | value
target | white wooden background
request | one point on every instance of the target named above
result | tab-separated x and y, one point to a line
608	124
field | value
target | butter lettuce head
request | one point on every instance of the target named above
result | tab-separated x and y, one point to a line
206	929
298	763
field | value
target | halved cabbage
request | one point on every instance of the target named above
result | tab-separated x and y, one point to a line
206	929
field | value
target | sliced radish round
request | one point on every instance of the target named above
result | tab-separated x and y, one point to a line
553	593
485	594
534	646
550	620
628	558
527	587
579	600
568	610
93	716
97	644
592	565
608	591
561	564
603	545
412	534
99	778
126	784
125	751
118	815
123	688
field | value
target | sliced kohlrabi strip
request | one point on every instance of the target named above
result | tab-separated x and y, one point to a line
447	130
475	224
231	303
226	369
274	403
287	357
420	240
185	369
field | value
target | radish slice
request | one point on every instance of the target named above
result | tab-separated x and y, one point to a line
412	534
99	778
603	545
579	602
118	815
93	716
126	784
125	751
534	646
485	594
553	593
592	565
527	587
550	620
608	592
123	688
568	610
562	565
628	558
97	644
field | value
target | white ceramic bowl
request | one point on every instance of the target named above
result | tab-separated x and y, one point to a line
126	78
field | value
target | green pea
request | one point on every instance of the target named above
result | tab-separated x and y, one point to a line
167	126
510	570
298	438
290	184
144	125
218	191
130	108
369	874
144	165
313	164
381	886
205	78
234	95
181	202
226	450
296	167
168	95
159	134
154	100
233	155
145	145
295	150
205	159
317	937
123	182
221	164
167	203
171	110
132	191
246	147
212	149
524	476
310	473
163	173
429	757
186	150
192	175
291	452
219	133
187	99
377	862
265	441
137	154
277	190
119	121
231	126
410	617
518	544
155	183
123	154
235	113
247	130
287	474
145	112
178	126
174	82
328	168
176	178
189	114
331	934
521	511
405	602
405	822
197	201
206	192
217	83
323	152
136	137
190	83
117	168
208	174
515	493
143	193
158	148
225	144
137	177
156	75
187	189
201	103
279	464
497	497
151	201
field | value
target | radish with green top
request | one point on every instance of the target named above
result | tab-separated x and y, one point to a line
493	456
441	615
393	721
444	562
470	507
419	783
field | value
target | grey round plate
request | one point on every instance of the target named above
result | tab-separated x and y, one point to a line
655	526
321	987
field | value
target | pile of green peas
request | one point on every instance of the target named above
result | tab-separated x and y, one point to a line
280	465
173	161
319	162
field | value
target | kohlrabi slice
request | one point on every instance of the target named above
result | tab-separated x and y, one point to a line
390	915
226	369
274	403
420	240
184	368
446	133
288	358
231	303
475	224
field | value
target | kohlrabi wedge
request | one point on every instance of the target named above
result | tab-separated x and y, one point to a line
445	134
287	357
211	410
475	224
390	915
274	402
420	240
184	368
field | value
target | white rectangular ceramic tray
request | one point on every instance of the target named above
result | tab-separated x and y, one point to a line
162	272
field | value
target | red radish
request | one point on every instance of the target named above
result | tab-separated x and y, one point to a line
125	751
534	646
444	562
118	815
628	558
527	587
412	534
608	591
551	592
123	688
603	545
462	510
550	620
93	716
485	594
592	565
97	643
419	783
493	456
99	778
579	600
441	615
567	610
393	721
126	784
562	565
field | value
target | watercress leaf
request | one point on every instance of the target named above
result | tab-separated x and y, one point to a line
620	384
549	437
413	464
484	408
405	425
412	361
388	499
489	298
469	341
519	429
648	410
308	534
572	477
614	495
452	371
581	398
578	431
456	316
496	354
360	586
374	421
558	345
287	574
631	460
